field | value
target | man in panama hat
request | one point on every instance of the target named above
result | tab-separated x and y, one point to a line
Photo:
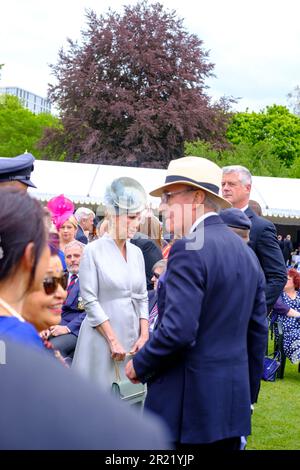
204	361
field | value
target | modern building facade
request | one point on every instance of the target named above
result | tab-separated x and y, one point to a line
34	103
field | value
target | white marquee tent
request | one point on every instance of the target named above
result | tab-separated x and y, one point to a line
85	184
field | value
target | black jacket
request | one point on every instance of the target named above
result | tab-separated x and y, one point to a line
151	253
263	240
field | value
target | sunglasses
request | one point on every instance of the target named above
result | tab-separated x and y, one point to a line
51	283
156	275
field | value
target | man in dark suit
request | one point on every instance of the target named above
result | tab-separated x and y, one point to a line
44	406
204	360
64	336
85	218
151	254
236	188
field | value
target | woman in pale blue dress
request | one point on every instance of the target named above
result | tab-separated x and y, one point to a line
113	289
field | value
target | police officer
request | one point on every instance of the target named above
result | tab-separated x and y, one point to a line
15	172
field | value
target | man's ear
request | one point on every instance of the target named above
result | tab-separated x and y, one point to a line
29	256
248	188
199	197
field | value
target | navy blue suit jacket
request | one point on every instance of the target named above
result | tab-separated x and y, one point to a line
80	235
71	316
263	240
204	361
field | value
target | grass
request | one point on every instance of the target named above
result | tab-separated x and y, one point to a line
276	418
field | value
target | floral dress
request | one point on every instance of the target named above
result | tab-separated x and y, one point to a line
291	329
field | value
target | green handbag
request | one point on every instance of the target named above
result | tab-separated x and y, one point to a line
126	391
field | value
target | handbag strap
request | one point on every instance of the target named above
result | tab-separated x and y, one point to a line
117	368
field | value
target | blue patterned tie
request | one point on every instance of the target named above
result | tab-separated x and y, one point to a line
72	282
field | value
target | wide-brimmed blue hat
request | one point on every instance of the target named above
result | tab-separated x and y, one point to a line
17	169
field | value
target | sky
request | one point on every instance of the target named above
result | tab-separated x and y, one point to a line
254	44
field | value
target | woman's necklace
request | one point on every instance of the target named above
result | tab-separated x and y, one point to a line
10	310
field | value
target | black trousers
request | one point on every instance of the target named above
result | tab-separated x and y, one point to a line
65	344
232	443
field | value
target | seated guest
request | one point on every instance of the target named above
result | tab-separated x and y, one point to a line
157	270
85	218
289	320
63	336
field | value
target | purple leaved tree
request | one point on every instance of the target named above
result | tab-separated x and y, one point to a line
133	90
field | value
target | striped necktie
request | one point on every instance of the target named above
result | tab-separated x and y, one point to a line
73	279
153	314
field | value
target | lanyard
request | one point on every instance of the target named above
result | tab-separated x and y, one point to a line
11	310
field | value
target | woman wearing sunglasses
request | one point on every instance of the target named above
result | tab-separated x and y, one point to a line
43	308
24	259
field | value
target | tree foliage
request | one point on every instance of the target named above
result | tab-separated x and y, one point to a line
20	129
134	89
275	125
258	158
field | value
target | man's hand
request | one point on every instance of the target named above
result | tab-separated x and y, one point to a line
130	373
58	330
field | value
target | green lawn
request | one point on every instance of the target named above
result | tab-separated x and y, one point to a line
276	418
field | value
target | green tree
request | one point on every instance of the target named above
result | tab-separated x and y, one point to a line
21	130
275	125
258	158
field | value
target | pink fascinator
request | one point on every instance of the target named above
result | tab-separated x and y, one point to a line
61	209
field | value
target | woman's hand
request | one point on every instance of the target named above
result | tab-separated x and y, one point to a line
45	334
118	353
139	343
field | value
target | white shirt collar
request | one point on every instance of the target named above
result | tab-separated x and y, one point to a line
200	219
244	208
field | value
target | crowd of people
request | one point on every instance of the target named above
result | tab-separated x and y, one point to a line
185	313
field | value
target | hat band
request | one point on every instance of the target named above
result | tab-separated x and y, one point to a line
5	178
175	178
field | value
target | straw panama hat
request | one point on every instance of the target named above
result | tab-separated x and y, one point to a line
197	172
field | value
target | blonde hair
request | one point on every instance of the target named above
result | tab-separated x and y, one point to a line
150	226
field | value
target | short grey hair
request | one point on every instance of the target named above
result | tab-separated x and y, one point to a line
83	213
162	263
211	203
243	172
75	243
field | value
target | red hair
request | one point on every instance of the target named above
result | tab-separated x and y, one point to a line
296	277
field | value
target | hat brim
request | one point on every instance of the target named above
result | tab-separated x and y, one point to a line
219	199
28	183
